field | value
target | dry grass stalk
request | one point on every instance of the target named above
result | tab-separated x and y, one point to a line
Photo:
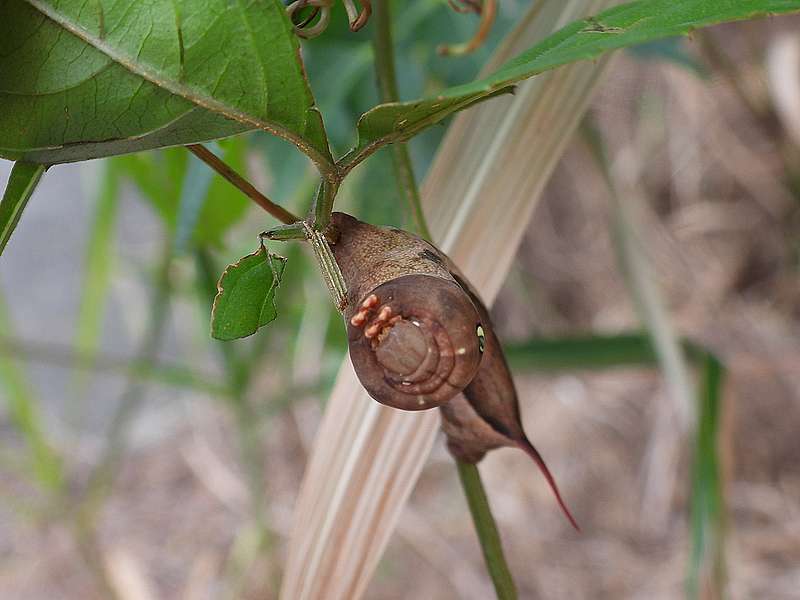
478	197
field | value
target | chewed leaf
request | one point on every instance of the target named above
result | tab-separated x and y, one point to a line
246	295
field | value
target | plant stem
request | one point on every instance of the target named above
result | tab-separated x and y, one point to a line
468	474
221	167
487	532
387	85
323	203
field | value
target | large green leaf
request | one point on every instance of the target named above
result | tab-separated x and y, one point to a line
625	25
24	178
246	297
80	80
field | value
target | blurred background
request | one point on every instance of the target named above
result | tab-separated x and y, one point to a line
139	459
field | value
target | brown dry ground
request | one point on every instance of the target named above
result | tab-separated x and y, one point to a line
704	176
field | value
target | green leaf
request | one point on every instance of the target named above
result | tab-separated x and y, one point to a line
80	80
618	27
24	178
246	297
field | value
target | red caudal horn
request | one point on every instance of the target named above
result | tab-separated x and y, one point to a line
537	458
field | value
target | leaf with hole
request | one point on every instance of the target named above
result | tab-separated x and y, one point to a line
23	180
81	81
246	295
618	27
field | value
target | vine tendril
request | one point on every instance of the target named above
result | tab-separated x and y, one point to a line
311	25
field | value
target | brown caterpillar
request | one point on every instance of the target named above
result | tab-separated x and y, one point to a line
420	337
411	329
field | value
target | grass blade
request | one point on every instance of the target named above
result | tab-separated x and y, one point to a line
97	277
590	352
707	564
24	413
24	178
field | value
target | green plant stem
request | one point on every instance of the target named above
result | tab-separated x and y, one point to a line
468	474
383	47
283	233
486	528
323	203
221	167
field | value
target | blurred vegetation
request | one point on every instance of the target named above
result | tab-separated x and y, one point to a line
205	224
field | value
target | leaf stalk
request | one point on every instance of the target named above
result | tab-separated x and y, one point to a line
249	190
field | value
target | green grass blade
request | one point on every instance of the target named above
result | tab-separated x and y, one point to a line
707	505
24	414
589	352
97	273
24	178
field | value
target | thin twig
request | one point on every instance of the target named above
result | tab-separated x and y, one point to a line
383	46
468	474
216	163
